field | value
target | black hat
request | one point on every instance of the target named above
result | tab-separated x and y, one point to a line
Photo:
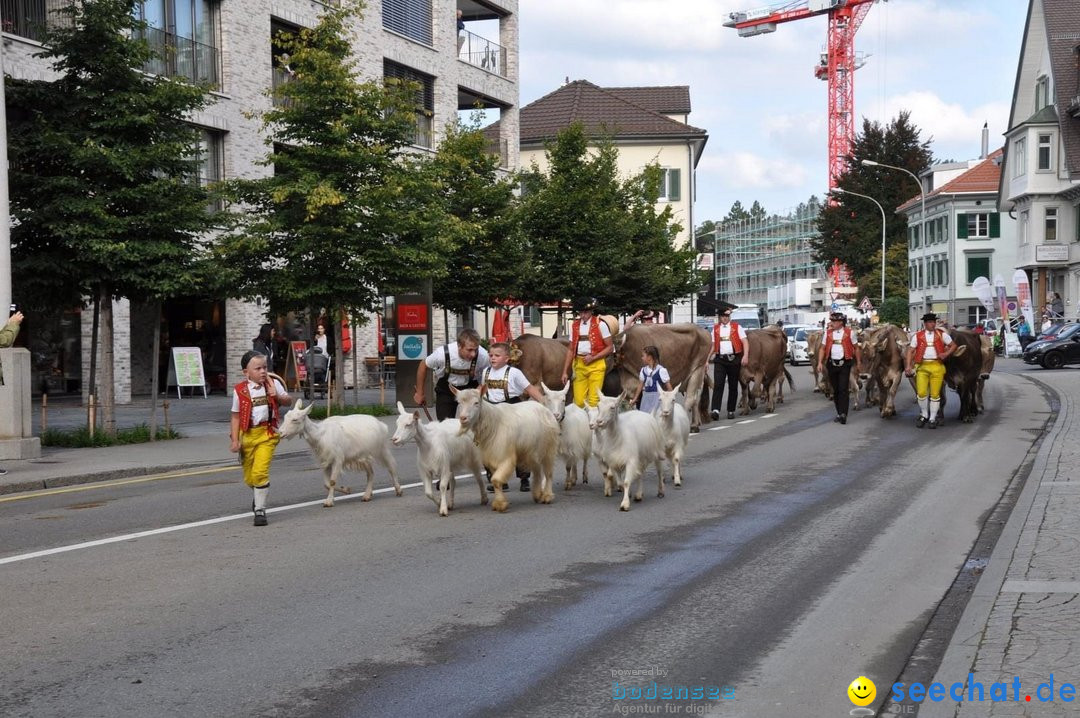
582	303
838	317
929	317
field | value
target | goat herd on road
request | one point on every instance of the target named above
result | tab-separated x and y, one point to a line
530	435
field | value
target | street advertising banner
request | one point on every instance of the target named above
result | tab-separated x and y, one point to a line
1023	295
984	293
1002	298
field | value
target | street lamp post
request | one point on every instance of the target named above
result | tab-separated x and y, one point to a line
882	210
922	195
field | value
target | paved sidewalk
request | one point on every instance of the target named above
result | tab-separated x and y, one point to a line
204	424
1023	619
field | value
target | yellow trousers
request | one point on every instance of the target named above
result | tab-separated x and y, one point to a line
588	380
929	376
257	446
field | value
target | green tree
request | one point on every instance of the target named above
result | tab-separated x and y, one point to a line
592	234
490	259
736	214
894	311
896	274
104	194
348	213
850	229
757	212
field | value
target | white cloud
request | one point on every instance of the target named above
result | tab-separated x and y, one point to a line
744	171
951	124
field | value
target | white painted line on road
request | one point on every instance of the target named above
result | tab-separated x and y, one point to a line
768	416
719	428
746	421
194	525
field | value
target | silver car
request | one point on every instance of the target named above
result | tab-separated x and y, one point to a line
796	335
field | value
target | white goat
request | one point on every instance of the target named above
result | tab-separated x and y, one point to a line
441	450
674	428
575	436
509	435
342	442
629	442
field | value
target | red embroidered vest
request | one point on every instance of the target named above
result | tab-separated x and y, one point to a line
849	346
596	340
245	407
920	344
736	342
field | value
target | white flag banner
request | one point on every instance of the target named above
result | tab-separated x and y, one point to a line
1023	296
984	293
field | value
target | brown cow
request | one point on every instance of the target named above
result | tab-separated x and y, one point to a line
813	347
988	359
539	359
883	365
962	370
684	351
768	348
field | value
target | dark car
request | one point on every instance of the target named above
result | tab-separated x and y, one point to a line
1055	350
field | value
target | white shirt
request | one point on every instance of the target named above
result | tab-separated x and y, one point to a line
436	361
931	352
837	351
516	382
726	346
584	346
320	341
260	405
661	373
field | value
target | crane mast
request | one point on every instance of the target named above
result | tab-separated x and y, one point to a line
837	66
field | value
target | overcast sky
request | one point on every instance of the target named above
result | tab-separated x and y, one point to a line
951	63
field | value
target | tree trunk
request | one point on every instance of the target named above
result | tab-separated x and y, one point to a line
107	389
91	388
155	362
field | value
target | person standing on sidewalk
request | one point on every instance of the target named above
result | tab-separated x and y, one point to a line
7	338
838	350
253	427
730	353
925	360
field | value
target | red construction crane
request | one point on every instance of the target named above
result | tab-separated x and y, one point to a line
838	63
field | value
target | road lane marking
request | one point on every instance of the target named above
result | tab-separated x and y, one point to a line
718	428
746	421
768	416
114	482
193	525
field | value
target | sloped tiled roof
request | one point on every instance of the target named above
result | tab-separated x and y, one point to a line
1062	26
982	178
601	112
669	100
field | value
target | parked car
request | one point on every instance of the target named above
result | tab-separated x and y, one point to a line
1053	351
797	343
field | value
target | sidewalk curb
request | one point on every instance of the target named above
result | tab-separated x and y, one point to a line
959	657
127	473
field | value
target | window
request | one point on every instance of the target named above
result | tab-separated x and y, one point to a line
916	240
978	225
670	189
1022	227
183	35
945	272
425	100
1076	223
1051	224
279	58
411	18
31	18
1045	153
919	272
1020	157
978	266
1042	92
211	151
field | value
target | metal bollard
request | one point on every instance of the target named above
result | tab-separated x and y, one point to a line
91	415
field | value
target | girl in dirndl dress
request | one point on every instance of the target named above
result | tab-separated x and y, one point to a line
652	376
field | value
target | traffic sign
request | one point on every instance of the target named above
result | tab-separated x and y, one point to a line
865	305
835	307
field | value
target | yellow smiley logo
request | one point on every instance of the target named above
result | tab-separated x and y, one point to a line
862	691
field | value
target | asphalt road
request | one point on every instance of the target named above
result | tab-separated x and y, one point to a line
799	555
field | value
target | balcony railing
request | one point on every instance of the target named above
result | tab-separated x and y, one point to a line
424	134
30	18
499	147
182	57
481	52
280	77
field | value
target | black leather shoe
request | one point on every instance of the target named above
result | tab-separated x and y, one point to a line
933	424
490	487
731	415
716	414
260	518
525	485
921	422
843	418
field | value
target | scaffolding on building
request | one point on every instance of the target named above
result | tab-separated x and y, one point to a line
756	254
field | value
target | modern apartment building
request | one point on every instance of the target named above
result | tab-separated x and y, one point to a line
231	45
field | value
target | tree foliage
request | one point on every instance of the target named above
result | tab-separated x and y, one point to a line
850	229
348	213
894	310
490	259
896	274
593	234
103	168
